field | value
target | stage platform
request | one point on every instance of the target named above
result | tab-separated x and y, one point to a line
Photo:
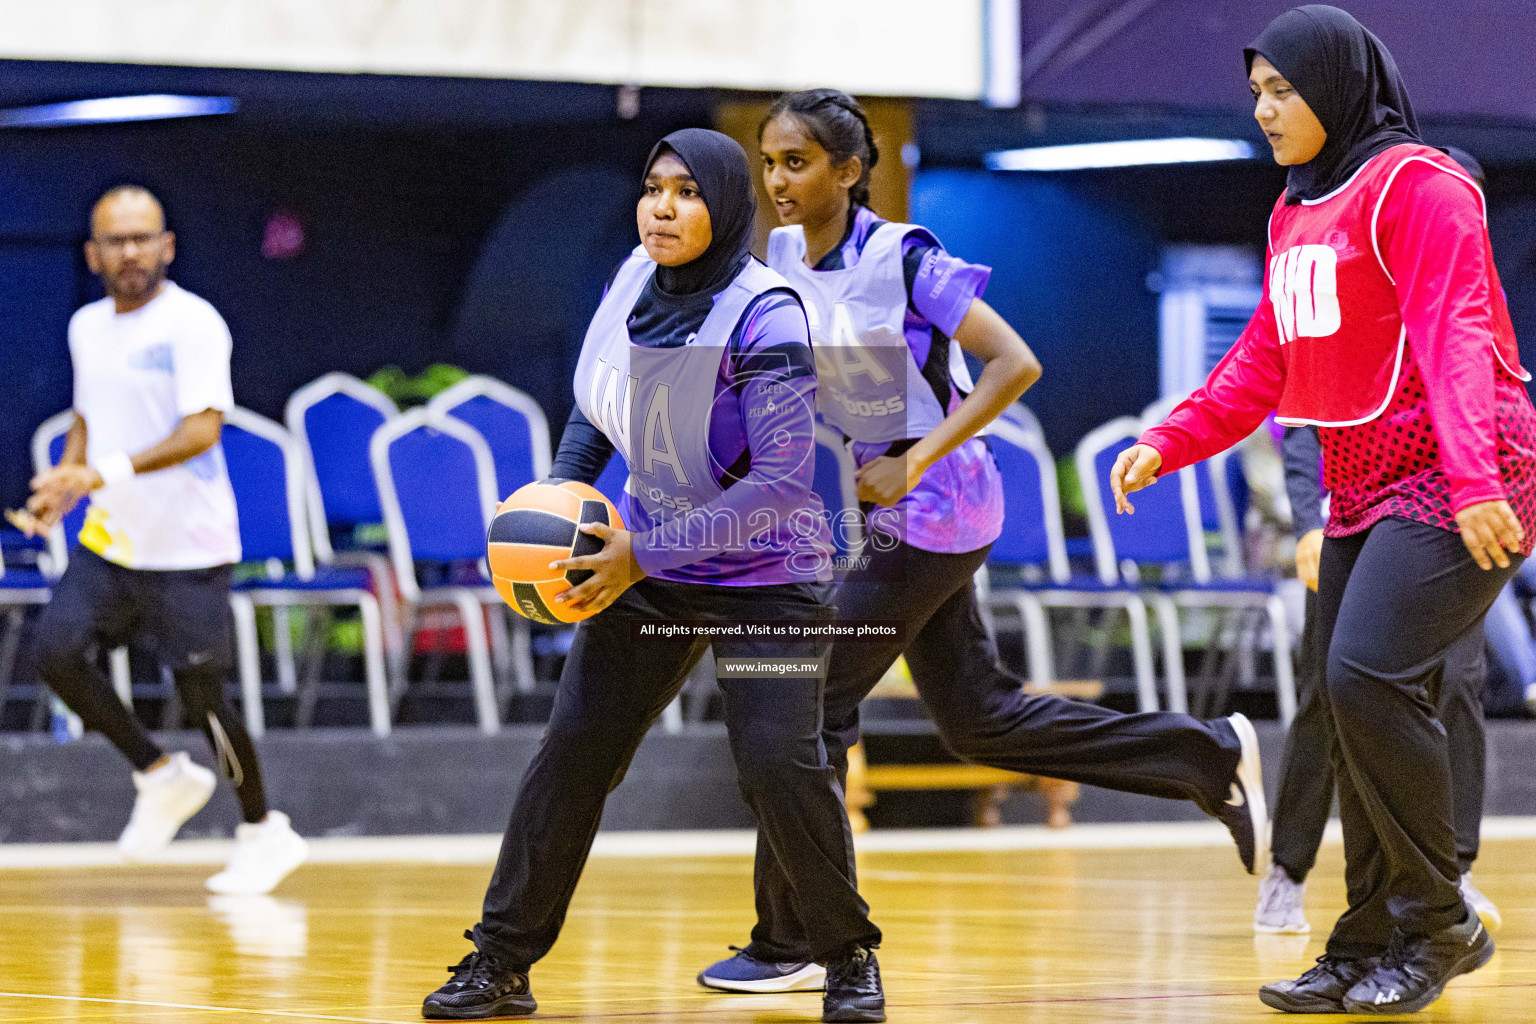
452	780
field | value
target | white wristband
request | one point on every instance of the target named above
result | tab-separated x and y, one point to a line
114	468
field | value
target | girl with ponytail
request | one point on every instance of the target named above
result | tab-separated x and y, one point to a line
890	313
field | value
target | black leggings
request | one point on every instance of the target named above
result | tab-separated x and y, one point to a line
983	713
1306	780
1391	603
613	687
98	605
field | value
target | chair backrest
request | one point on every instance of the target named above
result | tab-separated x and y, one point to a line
613	478
1032	532
1165	528
1214	488
266	471
834	484
1023	416
333	418
47	450
437	487
511	423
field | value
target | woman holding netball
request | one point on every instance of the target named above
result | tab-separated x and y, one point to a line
1383	323
697	368
890	312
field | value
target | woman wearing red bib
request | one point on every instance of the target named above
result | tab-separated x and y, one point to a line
1382	323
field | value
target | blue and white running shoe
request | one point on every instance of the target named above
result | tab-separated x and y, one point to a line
745	973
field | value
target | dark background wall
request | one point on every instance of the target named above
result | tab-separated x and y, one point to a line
468	222
474	221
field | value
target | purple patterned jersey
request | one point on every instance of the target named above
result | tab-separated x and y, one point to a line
958	504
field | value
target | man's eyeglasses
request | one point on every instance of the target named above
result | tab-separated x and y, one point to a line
117	243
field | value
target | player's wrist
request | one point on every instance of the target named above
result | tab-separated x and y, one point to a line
111	469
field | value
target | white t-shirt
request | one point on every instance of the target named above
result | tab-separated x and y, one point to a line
136	376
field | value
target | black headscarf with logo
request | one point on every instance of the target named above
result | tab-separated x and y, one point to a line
676	300
1349	79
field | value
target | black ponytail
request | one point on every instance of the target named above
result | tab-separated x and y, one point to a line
838	124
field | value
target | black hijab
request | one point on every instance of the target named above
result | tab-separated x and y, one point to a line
676	300
1349	79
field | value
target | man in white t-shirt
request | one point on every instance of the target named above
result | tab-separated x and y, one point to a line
151	366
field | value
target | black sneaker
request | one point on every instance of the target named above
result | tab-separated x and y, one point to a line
853	989
1244	812
483	985
1320	990
1414	971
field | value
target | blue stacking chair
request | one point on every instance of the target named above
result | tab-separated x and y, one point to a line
1032	545
266	471
1024	417
332	418
437	488
1166	532
834	484
20	589
511	423
47	450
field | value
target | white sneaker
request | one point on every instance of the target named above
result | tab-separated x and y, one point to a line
1481	905
1530	698
168	796
1279	911
265	853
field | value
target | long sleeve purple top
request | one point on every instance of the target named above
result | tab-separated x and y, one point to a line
762	441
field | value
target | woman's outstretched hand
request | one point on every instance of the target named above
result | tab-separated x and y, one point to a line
614	570
1136	467
1489	529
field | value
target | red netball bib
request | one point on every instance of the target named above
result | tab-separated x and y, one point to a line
1341	335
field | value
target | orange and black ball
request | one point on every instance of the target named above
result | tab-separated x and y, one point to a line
539	524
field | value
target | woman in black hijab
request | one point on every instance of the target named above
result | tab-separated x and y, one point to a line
1349	80
1382	323
697	369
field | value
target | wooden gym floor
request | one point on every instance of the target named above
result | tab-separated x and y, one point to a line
1024	937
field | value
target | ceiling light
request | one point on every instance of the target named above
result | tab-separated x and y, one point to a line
1129	153
116	108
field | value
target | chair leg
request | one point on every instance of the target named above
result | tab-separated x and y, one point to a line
317	639
248	663
392	615
1141	654
170	708
1173	652
282	650
522	653
1098	644
1248	651
1285	673
10	646
1059	797
672	715
122	674
1037	638
478	649
373	664
501	651
399	674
